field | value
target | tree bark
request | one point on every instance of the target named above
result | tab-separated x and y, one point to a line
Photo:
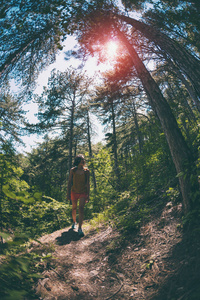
137	128
1	201
71	132
90	151
181	155
117	173
189	65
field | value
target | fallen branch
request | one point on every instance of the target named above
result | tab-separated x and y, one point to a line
60	276
115	292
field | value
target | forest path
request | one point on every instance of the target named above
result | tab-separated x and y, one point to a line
103	265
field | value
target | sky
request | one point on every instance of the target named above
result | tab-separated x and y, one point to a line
60	64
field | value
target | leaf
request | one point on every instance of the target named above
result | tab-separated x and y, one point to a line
38	196
180	174
24	264
4	235
8	193
15	295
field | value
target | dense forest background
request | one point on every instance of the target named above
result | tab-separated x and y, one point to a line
147	101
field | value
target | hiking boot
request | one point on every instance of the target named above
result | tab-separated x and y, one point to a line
73	225
80	232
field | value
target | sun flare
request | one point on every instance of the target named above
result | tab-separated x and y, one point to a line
109	54
112	48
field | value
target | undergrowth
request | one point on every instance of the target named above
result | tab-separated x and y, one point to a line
21	267
127	213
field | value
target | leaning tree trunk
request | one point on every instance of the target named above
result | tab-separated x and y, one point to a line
189	65
180	153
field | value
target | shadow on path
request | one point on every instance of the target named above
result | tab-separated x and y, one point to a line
183	282
67	237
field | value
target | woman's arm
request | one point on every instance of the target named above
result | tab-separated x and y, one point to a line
88	185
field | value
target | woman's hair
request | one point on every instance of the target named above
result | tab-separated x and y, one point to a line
78	159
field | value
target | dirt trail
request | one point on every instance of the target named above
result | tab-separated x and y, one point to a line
102	265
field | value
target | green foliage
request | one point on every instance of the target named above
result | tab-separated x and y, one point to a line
173	194
18	272
11	117
35	218
46	168
128	213
100	218
24	209
191	221
43	217
31	34
194	294
105	193
26	213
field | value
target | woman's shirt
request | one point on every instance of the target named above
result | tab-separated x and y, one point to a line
79	182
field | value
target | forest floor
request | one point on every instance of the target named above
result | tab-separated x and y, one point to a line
158	262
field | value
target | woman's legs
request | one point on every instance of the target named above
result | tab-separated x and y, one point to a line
81	211
74	207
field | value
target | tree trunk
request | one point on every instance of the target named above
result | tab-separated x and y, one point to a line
117	173
137	128
1	202
90	151
71	132
189	65
181	154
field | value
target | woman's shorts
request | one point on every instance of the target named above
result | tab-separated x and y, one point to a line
76	196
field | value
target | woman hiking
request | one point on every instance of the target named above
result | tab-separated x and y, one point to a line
78	189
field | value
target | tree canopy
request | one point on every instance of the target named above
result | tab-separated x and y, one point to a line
147	99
